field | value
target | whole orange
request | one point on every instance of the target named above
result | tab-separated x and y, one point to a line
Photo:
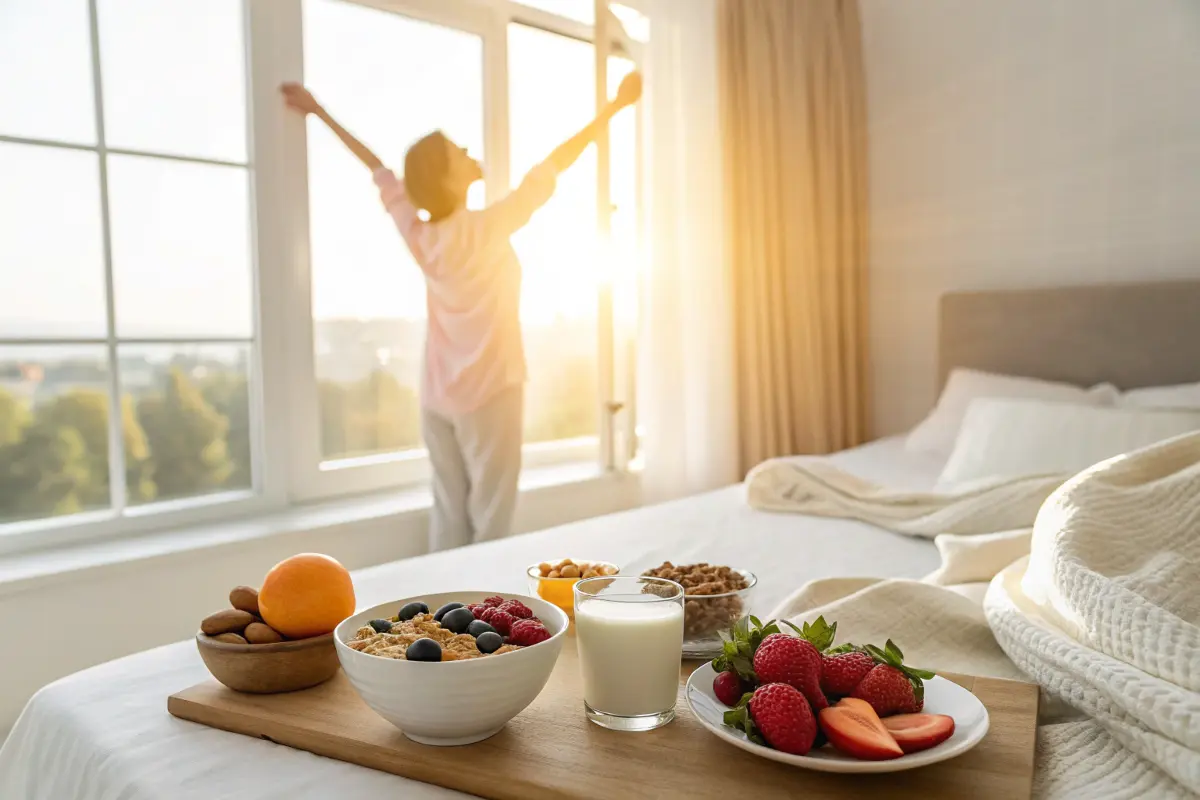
306	595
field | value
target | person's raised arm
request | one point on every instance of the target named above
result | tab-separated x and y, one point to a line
514	211
300	99
569	151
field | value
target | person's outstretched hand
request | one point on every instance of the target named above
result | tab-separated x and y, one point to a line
630	90
299	99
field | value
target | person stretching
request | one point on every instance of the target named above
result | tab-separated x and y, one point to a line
472	385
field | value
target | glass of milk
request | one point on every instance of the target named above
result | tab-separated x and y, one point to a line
630	636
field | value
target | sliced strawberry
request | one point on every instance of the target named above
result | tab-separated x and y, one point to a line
854	728
914	732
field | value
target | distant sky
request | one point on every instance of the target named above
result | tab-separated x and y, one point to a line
174	82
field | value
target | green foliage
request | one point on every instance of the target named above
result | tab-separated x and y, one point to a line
564	404
192	435
373	415
45	472
14	416
229	394
187	439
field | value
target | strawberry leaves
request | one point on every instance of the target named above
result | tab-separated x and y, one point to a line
737	652
892	656
819	633
739	717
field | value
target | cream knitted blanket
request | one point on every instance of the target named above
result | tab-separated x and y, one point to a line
1098	602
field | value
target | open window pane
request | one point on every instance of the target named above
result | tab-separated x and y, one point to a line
174	76
368	294
579	10
51	243
46	71
53	431
181	248
186	420
552	95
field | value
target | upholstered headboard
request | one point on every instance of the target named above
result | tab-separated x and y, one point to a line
1131	335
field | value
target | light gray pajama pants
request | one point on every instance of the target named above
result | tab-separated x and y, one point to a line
476	460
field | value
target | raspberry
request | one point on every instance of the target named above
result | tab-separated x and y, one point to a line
517	609
501	620
494	600
477	609
486	614
526	632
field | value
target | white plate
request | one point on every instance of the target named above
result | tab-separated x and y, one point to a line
941	697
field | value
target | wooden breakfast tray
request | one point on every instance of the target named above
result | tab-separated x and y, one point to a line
550	750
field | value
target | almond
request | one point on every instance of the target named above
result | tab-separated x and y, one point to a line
261	633
229	638
244	598
229	620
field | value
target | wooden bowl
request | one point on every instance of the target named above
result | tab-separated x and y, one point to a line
270	668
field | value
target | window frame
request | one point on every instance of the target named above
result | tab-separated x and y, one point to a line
119	518
310	479
285	443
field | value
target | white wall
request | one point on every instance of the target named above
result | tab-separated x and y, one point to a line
1022	143
54	626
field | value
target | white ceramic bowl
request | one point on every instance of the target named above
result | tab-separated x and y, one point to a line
455	702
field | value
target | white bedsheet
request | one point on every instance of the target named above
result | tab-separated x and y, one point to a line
105	733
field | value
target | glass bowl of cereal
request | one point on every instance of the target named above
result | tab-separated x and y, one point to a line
715	597
554	581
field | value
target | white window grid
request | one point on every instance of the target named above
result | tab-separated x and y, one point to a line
286	463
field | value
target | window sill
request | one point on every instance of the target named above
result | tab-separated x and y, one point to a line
21	572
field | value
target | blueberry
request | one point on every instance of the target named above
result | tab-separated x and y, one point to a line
424	650
457	620
381	625
441	612
489	642
411	610
478	627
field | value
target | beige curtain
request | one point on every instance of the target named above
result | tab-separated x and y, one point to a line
794	138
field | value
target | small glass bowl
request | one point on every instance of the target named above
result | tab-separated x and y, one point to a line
709	616
560	591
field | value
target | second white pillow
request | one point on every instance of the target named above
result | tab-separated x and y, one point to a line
1009	438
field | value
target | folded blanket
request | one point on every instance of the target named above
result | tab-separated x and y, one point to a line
1102	613
820	489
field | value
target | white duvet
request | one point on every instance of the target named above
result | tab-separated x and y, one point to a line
1103	613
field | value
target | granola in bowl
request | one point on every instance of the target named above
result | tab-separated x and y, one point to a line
455	632
394	643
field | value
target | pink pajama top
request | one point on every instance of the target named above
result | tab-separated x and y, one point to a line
473	347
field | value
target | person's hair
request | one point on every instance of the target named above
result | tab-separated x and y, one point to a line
425	166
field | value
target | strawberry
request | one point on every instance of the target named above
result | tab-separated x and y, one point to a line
891	687
914	732
854	728
841	673
727	686
526	632
888	690
737	652
789	659
778	715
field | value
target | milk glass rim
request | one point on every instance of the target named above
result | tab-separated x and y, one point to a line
644	579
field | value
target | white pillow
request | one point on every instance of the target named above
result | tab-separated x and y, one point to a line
937	432
1007	438
1186	395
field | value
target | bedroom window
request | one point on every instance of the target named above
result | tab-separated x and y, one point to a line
205	313
127	329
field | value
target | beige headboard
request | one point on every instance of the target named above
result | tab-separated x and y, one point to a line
1131	335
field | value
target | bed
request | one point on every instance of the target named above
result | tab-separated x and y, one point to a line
105	732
